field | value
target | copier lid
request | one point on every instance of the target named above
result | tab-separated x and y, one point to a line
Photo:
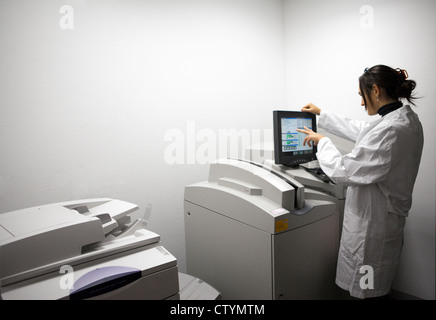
40	236
34	220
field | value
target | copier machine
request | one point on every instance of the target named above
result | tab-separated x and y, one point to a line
86	249
255	231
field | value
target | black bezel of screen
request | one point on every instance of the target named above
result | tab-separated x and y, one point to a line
284	157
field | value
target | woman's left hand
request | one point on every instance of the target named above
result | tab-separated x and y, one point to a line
311	136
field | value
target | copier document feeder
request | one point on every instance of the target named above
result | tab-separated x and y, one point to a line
253	232
85	249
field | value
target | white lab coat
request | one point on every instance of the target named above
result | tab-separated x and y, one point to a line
380	173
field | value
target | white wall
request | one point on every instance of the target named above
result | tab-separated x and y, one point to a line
84	112
93	111
329	44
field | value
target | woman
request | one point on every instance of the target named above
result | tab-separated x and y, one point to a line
379	172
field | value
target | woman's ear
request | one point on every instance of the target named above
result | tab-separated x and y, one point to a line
376	89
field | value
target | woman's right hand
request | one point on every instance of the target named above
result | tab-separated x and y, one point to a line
311	108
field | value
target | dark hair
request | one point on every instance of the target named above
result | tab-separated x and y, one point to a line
393	81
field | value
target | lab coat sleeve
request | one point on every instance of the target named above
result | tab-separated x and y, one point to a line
341	126
367	163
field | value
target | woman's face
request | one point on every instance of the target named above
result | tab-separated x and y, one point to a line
368	106
362	103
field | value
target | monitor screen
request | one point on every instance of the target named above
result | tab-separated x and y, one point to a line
288	142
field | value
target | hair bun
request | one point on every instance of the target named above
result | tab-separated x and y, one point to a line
406	88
